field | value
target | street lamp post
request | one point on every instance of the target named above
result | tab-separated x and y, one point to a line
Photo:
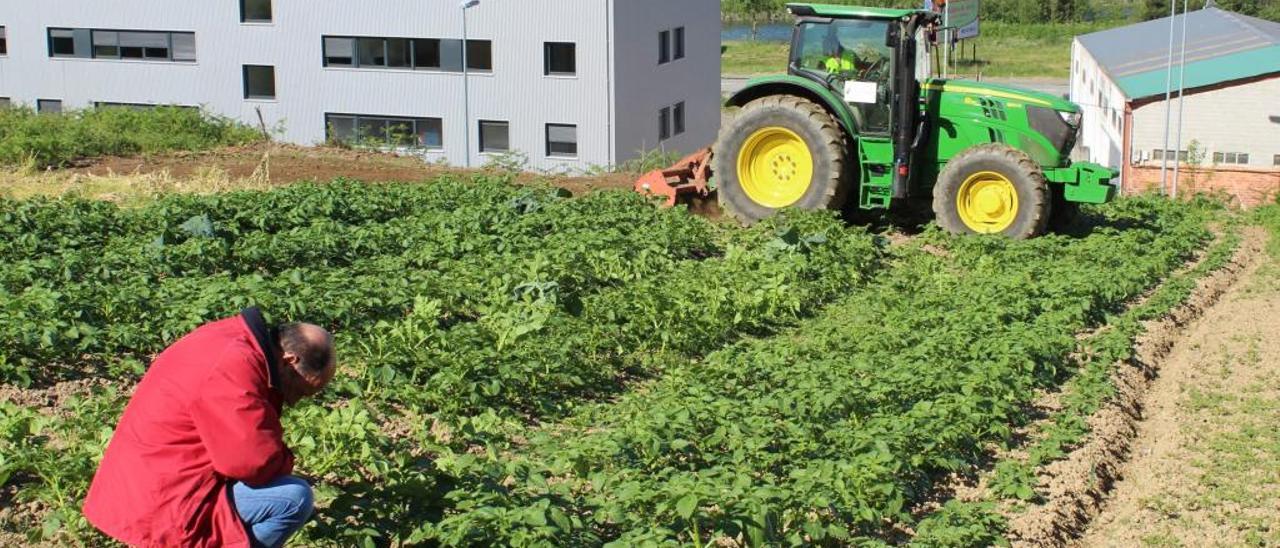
466	80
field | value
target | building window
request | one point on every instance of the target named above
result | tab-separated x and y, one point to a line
495	136
426	54
1237	158
259	82
664	124
1275	160
1168	155
562	141
679	44
49	106
677	118
664	47
6	103
106	45
384	131
561	59
373	52
62	43
138	106
4	42
255	11
479	55
123	44
405	53
339	52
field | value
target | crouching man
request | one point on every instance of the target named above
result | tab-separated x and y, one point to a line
198	458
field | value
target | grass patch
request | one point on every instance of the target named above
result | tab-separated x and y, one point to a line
1003	50
752	58
56	140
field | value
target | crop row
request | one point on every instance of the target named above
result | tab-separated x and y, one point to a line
831	433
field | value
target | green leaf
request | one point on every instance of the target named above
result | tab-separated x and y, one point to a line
686	505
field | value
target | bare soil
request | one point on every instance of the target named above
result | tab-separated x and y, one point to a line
1205	467
1076	488
285	164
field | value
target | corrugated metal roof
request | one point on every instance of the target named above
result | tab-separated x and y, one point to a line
1221	46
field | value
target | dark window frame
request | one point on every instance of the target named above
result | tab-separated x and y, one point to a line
664	47
91	46
664	123
436	46
550	148
480	141
678	119
40	105
677	48
1275	160
4	41
53	42
548	51
244	13
248	92
432	123
138	106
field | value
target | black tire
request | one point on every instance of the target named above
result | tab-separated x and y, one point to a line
1064	214
828	188
1034	200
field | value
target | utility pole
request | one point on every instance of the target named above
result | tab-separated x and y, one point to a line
1168	89
1182	89
466	80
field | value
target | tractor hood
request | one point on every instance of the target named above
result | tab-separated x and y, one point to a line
1006	93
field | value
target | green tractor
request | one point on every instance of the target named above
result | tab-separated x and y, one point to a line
858	116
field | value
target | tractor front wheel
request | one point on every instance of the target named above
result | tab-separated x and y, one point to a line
780	151
992	189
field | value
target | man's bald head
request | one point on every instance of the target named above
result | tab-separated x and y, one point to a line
312	344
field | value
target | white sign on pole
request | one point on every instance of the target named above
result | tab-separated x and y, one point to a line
963	15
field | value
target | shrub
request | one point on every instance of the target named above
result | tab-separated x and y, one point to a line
56	140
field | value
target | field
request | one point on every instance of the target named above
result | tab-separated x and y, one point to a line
524	367
1004	50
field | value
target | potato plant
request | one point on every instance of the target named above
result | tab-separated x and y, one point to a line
524	368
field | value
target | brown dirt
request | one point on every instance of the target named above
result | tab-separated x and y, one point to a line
284	164
1075	489
1217	395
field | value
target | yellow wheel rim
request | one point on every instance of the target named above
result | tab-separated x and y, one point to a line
987	202
775	167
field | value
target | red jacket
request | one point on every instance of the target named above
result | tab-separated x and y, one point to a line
206	413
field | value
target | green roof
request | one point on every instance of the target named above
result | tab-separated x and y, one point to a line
1208	72
1221	46
850	12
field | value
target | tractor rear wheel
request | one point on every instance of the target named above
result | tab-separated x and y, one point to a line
993	189
780	151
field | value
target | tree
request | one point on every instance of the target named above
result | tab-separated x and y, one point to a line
1155	9
751	10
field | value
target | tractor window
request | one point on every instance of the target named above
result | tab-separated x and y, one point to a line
850	50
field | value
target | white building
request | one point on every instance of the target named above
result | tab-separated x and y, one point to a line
570	83
1232	100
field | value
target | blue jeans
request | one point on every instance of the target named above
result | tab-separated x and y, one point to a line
275	511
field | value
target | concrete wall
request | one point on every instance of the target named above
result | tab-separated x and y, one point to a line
643	86
1242	117
1102	125
516	91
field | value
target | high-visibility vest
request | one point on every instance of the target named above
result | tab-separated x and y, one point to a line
839	64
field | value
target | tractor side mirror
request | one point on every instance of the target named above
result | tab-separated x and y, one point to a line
893	36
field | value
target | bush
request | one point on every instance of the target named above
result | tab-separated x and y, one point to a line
56	140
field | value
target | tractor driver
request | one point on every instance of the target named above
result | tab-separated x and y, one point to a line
848	63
